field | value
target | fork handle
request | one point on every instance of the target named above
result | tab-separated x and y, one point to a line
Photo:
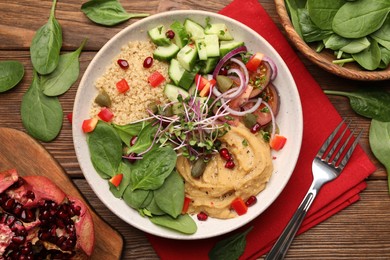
281	246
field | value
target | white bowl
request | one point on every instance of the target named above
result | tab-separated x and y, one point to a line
289	120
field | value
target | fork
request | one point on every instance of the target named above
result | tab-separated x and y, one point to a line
327	165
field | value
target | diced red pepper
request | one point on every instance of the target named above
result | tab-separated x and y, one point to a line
254	61
239	206
89	125
116	179
186	204
277	142
122	86
105	114
155	79
70	117
207	88
200	82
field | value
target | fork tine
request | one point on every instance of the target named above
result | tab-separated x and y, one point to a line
336	158
334	147
325	145
345	160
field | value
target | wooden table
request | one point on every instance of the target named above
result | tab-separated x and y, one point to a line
362	231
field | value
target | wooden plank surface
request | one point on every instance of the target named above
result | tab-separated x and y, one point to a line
362	231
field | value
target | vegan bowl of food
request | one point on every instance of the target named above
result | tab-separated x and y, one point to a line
347	38
187	124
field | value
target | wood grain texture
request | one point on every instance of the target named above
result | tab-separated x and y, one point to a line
346	235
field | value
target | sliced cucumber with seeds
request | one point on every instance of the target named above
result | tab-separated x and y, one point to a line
194	30
166	53
187	79
187	56
175	71
157	35
227	46
202	48
208	65
172	92
219	29
181	35
212	45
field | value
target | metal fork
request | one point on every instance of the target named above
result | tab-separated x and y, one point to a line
327	165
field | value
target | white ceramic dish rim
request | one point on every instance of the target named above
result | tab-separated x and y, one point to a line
290	120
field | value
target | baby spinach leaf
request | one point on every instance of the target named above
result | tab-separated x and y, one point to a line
360	18
155	166
230	248
310	31
183	223
385	58
372	104
126	132
154	209
105	148
369	58
382	36
107	12
379	138
64	76
144	139
170	196
137	199
125	169
46	45
322	12
11	73
356	45
41	115
292	7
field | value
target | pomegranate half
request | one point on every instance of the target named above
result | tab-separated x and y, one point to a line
39	221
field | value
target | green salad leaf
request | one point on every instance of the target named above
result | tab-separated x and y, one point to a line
11	73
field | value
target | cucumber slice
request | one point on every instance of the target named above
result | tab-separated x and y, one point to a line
201	48
226	46
212	45
172	92
219	29
175	71
166	53
187	79
187	56
194	30
158	37
181	35
208	65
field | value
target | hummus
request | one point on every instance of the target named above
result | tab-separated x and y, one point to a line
214	191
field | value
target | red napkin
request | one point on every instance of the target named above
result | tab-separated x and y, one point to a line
319	122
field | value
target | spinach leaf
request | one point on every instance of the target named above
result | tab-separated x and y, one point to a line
154	209
372	104
126	132
322	12
105	148
41	115
292	7
379	138
170	196
360	18
369	58
385	58
64	76
125	169
137	199
183	223
382	36
11	73
144	139
155	166
107	12
310	32
230	248
46	45
356	45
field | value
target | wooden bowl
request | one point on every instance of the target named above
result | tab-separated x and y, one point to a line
325	57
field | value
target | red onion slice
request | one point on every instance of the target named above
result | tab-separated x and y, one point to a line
244	69
272	64
225	58
241	113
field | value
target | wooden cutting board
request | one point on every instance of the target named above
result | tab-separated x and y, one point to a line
18	150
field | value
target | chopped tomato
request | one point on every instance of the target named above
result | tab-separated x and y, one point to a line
122	86
155	79
254	61
186	204
277	142
239	206
116	179
89	125
70	117
206	89
105	114
200	82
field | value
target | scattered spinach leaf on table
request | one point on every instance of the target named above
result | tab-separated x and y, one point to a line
108	12
11	73
230	248
183	223
41	115
46	45
65	75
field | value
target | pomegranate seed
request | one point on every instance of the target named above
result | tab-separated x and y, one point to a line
225	154
133	140
123	64
148	62
229	164
30	194
223	71
170	34
202	216
251	201
18	240
9	204
18	209
256	128
10	220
